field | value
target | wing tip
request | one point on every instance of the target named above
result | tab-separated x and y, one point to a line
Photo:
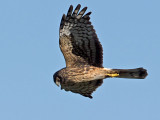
70	10
62	21
89	96
79	6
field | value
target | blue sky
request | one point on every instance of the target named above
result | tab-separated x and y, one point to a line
129	31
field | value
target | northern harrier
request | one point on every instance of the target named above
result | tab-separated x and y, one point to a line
84	71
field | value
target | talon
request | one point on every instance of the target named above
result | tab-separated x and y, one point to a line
113	75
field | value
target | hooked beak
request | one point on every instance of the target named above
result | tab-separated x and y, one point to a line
57	83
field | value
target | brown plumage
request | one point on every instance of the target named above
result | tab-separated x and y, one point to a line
84	71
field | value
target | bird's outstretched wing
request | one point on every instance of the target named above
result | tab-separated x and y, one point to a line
84	88
78	40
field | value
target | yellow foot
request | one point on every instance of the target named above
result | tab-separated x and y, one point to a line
112	75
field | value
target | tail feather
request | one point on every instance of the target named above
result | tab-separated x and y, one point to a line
137	73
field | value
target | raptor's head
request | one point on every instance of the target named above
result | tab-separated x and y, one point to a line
57	78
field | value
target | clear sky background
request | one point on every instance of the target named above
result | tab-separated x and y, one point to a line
129	31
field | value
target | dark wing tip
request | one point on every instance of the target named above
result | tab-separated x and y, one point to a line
78	6
62	21
81	13
84	9
89	96
76	10
86	16
63	17
70	11
71	6
88	13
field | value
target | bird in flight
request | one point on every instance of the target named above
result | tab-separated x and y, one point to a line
83	53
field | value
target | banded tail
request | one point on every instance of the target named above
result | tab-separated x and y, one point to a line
137	73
